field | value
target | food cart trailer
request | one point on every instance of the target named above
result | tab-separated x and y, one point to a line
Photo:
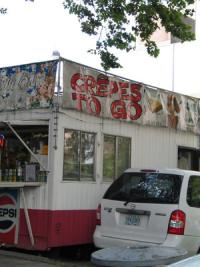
66	131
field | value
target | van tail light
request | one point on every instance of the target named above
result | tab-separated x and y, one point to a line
98	215
177	223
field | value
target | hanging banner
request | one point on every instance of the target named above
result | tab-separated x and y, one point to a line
163	108
101	95
109	96
27	86
9	216
153	108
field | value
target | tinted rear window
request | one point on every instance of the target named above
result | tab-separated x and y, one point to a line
146	188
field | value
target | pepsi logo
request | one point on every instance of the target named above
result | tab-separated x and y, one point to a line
8	213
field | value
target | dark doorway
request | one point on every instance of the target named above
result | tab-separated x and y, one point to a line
189	159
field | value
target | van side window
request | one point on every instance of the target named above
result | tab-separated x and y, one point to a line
193	192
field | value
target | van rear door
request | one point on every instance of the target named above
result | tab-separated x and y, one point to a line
138	205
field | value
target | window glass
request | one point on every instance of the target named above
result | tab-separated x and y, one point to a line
87	155
116	156
109	157
146	188
71	154
79	150
123	155
193	192
184	160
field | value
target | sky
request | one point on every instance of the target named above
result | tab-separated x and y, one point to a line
31	31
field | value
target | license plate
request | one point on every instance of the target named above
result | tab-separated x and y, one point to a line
132	219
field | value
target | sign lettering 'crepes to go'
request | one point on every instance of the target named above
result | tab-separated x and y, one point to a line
108	96
94	93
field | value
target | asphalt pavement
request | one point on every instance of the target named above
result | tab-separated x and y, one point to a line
16	259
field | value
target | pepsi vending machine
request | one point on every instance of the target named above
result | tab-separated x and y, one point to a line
9	215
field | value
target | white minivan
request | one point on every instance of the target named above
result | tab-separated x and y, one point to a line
151	207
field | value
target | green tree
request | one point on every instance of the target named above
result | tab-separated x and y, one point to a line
118	23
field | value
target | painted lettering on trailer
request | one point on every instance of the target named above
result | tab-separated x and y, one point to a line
124	96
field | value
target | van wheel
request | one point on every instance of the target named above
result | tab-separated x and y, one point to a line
198	251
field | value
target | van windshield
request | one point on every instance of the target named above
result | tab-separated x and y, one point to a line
146	188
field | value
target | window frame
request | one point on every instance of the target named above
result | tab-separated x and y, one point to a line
80	179
116	149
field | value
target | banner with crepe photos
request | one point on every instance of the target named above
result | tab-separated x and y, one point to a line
27	86
109	96
169	109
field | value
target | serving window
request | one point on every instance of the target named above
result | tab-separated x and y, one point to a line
24	160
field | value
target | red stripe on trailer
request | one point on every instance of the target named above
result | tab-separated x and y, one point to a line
57	228
8	238
72	227
39	224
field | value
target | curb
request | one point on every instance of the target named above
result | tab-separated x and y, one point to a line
35	258
27	256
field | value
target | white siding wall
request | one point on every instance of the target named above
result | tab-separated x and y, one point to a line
151	147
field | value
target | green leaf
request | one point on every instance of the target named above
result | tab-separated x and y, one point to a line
118	23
